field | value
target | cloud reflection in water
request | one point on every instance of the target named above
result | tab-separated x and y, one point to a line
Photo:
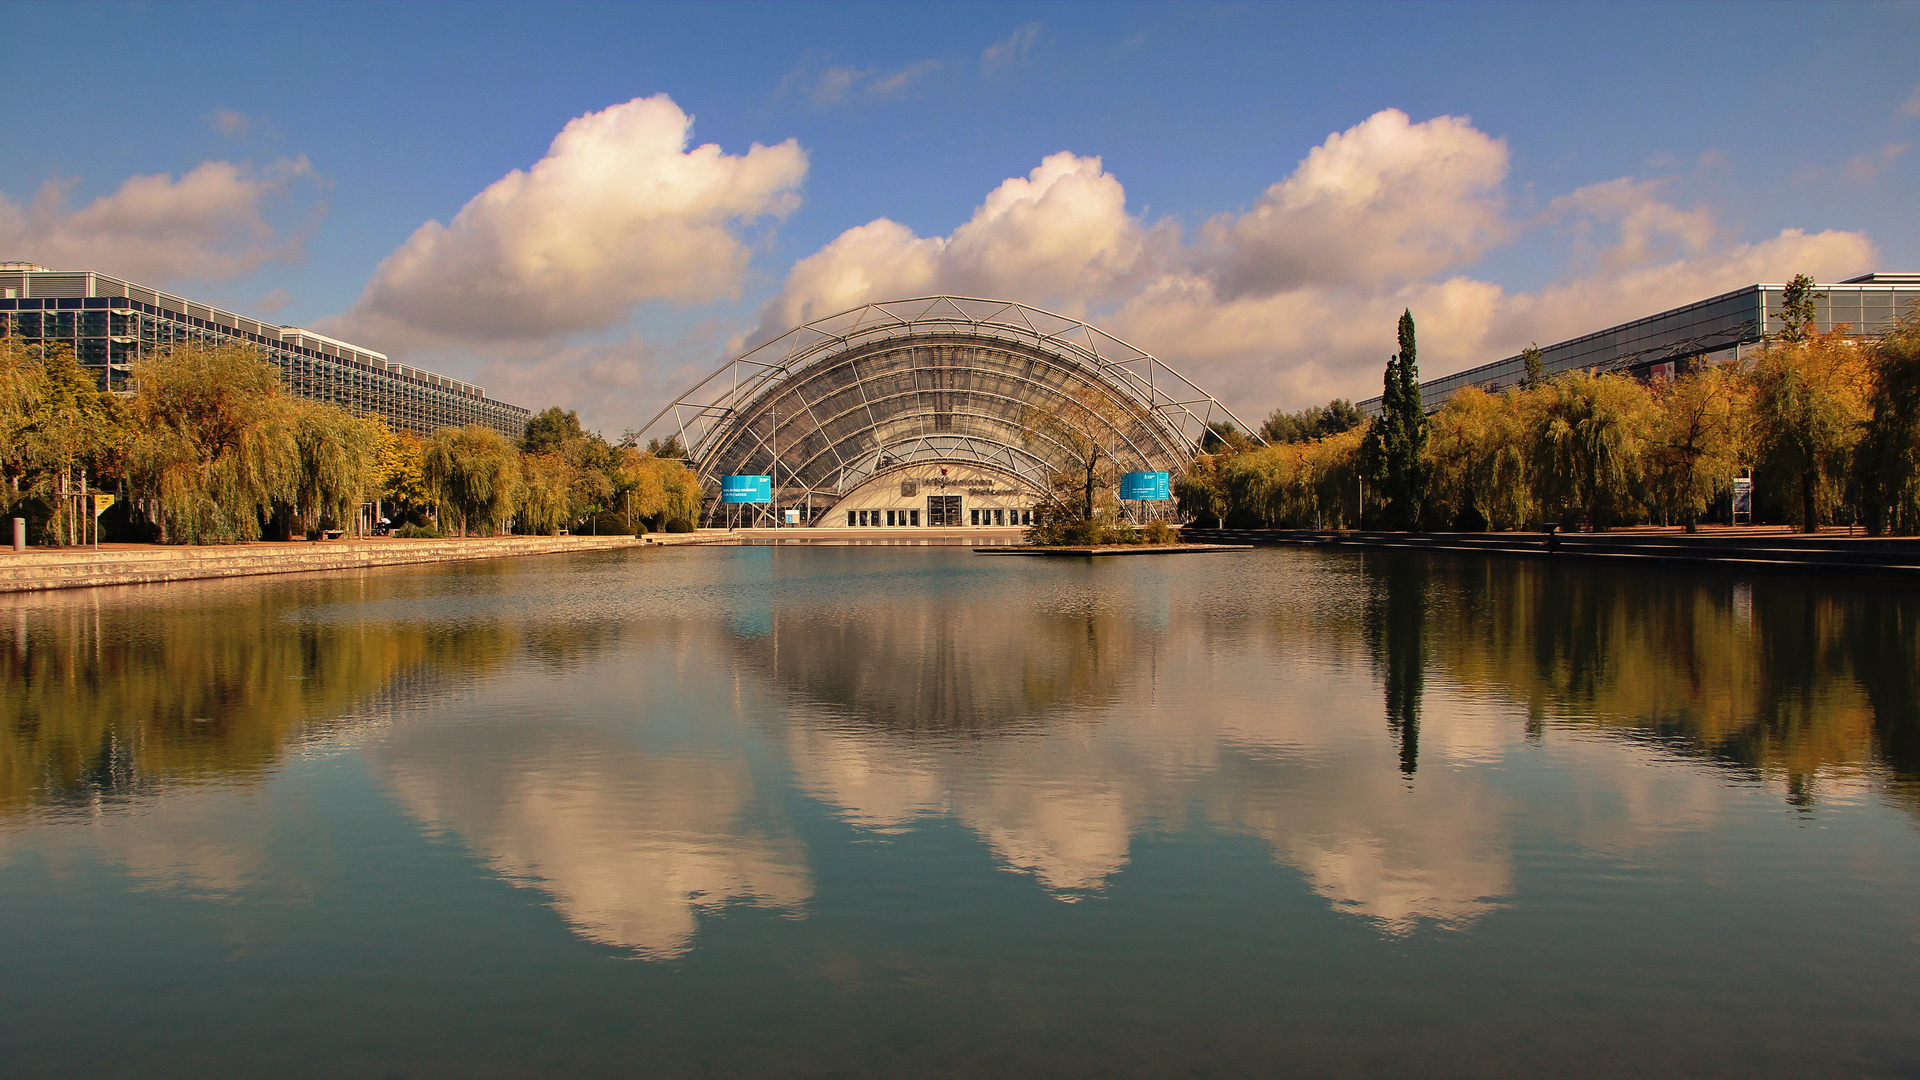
1059	731
626	736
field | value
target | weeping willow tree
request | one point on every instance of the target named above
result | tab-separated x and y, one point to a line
545	492
58	433
1261	484
1695	441
474	472
1310	484
1200	490
1809	408
23	385
1331	465
665	493
1587	435
1887	461
338	463
214	442
1479	461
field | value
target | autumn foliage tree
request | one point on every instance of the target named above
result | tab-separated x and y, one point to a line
56	431
1810	403
213	447
1695	441
337	464
474	472
1078	436
1479	461
1887	458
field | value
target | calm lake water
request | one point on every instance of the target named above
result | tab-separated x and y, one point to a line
903	811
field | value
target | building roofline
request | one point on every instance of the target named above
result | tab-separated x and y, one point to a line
1878	280
174	301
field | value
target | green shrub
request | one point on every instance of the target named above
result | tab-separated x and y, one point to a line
609	524
1159	532
1054	527
418	532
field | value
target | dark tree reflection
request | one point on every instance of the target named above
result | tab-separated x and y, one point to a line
111	695
1783	676
1397	634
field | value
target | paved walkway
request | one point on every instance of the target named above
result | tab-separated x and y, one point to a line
130	564
1739	547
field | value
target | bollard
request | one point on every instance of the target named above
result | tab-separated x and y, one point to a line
19	534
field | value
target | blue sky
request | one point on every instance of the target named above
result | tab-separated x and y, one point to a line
1599	159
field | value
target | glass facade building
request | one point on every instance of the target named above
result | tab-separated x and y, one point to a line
1713	330
880	410
109	324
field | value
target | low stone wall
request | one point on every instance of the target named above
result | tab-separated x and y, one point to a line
75	568
1735	548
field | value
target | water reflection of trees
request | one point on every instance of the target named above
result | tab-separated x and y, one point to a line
1057	720
108	693
1397	634
1790	677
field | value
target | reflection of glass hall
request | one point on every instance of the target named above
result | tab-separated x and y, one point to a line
920	411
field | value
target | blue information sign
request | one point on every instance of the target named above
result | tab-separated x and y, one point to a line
746	489
1145	485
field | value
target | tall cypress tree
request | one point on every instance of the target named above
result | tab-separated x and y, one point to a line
1393	452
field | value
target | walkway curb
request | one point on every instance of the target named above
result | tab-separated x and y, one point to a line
1769	552
80	568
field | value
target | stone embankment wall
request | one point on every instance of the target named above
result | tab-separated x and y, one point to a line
1737	548
76	567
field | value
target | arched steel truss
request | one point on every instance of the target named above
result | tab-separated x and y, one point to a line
826	406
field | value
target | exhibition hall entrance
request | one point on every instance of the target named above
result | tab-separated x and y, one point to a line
943	510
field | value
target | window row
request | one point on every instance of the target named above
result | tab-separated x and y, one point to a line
865	518
982	516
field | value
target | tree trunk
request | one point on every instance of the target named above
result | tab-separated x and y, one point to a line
1809	508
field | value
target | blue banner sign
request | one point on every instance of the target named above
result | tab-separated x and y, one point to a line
746	489
1145	485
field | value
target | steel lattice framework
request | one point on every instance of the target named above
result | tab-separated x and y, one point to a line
826	406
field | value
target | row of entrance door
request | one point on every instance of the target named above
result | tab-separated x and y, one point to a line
943	512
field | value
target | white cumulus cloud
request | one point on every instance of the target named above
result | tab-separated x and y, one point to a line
1290	302
1384	202
618	212
1059	236
1294	301
211	223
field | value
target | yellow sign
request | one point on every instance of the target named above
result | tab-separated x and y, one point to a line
100	503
